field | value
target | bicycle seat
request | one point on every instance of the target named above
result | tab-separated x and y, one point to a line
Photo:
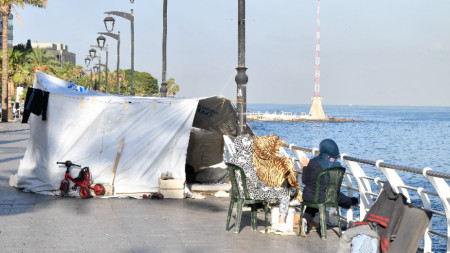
84	174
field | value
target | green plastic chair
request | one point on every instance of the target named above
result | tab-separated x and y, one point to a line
241	201
335	176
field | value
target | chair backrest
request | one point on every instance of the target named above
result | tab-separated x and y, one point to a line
238	182
334	176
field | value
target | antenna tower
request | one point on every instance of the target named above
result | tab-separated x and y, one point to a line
317	67
316	110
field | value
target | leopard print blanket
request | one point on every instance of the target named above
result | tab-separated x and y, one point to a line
272	169
256	189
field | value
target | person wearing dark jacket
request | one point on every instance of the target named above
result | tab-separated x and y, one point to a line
329	153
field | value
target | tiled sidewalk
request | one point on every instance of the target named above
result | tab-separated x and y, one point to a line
37	223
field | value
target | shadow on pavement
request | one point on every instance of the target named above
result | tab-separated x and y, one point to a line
11	159
13	131
12	141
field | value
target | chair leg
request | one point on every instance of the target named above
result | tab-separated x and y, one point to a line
265	216
230	210
254	217
323	222
339	220
300	227
240	203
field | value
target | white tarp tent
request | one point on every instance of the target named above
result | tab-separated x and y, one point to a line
87	126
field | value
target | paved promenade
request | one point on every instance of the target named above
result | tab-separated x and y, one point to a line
36	223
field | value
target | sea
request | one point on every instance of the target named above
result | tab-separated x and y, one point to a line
411	136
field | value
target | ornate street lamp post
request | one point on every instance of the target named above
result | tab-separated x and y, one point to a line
96	68
107	21
163	89
241	77
130	17
87	60
101	45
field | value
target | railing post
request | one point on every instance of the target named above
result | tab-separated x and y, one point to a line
299	167
427	240
298	154
364	187
394	180
349	182
378	183
443	190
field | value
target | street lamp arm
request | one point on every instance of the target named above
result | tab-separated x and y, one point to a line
121	14
130	17
112	35
101	64
105	48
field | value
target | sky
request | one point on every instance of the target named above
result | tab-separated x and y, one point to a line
380	52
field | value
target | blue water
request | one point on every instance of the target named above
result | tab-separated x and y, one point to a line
416	137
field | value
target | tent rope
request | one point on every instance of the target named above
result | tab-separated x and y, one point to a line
228	82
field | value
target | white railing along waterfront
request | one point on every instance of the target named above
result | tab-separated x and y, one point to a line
363	184
275	116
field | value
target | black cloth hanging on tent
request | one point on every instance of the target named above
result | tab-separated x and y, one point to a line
36	102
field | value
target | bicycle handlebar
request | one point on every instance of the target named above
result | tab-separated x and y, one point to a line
68	164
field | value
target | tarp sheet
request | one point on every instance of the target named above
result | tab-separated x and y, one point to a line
216	114
87	126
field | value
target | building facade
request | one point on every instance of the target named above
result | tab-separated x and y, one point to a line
59	50
10	31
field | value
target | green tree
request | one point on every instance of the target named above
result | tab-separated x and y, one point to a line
28	47
42	60
172	87
68	71
6	6
18	72
144	83
85	80
19	47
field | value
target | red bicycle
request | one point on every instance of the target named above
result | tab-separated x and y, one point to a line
83	181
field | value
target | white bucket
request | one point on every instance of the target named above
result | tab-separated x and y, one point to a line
289	219
275	212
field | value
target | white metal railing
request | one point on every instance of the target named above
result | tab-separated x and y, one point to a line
275	116
363	184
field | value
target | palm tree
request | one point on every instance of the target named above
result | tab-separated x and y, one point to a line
42	60
6	6
19	70
172	87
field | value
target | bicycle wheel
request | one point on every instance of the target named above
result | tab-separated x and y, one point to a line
99	190
85	193
64	187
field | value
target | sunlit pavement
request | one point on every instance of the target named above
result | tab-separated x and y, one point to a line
37	223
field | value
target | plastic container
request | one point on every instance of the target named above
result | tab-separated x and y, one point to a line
290	218
275	214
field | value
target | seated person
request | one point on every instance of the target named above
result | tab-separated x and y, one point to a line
329	152
257	189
